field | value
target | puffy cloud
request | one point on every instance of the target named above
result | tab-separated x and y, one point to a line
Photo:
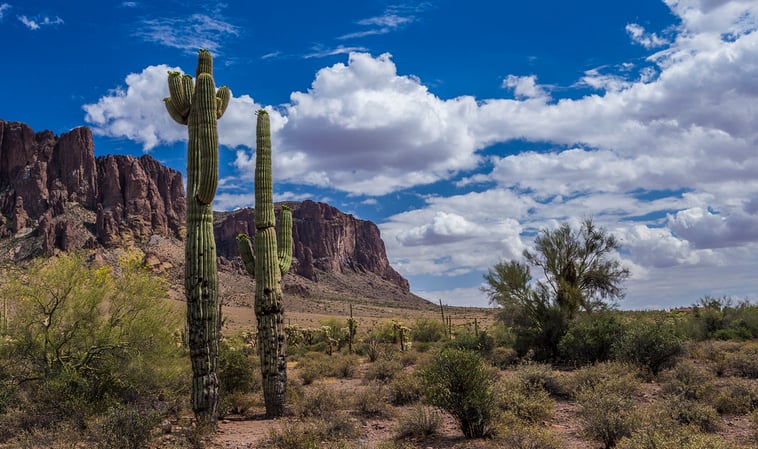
705	229
525	86
137	112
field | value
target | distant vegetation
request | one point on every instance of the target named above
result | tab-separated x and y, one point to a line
99	356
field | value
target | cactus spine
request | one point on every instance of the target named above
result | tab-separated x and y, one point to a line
267	264
199	105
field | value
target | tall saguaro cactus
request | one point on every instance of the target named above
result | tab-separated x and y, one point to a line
199	105
267	264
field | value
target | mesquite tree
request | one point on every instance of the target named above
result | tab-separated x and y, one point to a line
199	105
267	264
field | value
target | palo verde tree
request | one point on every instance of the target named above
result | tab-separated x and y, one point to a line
579	273
267	263
199	106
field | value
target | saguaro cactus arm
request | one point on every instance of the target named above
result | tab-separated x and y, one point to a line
284	240
247	253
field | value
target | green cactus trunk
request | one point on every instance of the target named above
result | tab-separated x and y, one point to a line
199	106
267	264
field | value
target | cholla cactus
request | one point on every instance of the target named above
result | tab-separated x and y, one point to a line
199	105
269	261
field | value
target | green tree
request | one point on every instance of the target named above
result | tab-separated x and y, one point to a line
95	332
579	273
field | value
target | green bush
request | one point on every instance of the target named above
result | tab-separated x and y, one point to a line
460	382
541	376
590	338
651	344
480	342
238	369
318	401
427	330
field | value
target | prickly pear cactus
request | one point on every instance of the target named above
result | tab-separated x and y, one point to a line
197	104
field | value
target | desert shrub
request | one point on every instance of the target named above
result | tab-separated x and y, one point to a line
383	370
330	432
127	349
316	365
693	413
590	338
371	402
480	342
651	344
672	438
607	412
319	400
618	376
404	389
236	403
688	380
541	376
126	428
238	369
744	361
461	383
736	396
521	436
427	330
722	319
502	357
419	422
524	400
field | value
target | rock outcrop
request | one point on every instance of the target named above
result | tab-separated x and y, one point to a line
54	189
49	183
325	239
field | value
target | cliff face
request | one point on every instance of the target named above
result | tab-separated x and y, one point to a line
54	188
324	238
45	180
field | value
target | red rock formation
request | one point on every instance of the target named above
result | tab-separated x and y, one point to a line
324	239
43	176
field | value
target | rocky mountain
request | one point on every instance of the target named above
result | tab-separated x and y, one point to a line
55	195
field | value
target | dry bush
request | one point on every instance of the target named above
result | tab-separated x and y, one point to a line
371	402
672	438
521	436
334	431
736	396
319	400
383	370
404	389
420	422
608	411
617	376
688	380
541	375
689	412
744	361
526	401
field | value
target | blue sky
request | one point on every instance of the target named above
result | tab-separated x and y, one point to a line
460	128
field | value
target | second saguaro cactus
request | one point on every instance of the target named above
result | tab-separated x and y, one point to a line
267	263
199	105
